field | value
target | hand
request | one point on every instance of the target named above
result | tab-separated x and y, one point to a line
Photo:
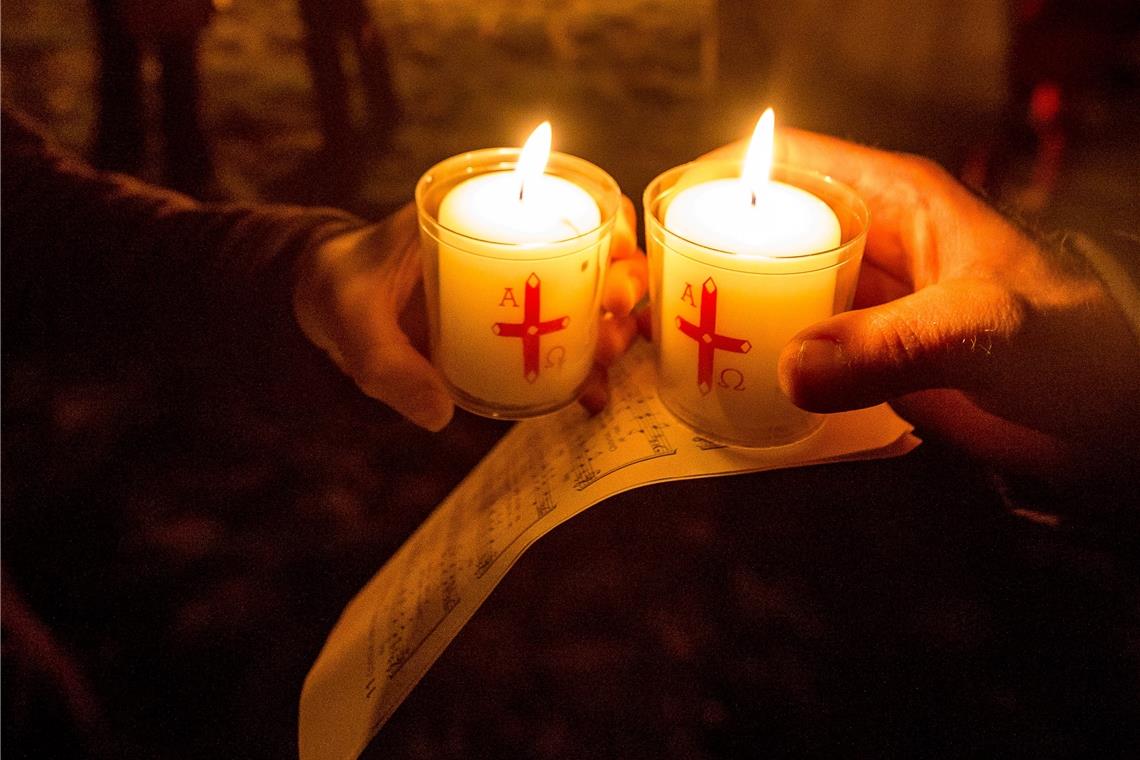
626	281
1013	351
357	292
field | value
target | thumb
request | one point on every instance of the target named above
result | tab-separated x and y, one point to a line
948	335
396	374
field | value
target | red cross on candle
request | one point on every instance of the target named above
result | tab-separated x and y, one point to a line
706	337
532	328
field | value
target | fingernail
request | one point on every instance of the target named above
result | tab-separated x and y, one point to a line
594	400
820	356
596	394
633	292
622	301
429	410
810	369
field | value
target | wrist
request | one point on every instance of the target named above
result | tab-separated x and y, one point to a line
315	275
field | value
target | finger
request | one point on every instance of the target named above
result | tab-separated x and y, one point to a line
347	271
734	151
371	348
623	245
596	392
901	193
869	170
877	286
615	334
923	221
393	372
643	313
953	418
946	336
397	241
625	285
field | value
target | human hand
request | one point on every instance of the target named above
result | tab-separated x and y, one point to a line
357	299
1013	351
624	287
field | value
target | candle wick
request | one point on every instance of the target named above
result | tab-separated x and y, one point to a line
754	198
522	186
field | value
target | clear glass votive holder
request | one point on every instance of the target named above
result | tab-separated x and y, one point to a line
514	325
721	319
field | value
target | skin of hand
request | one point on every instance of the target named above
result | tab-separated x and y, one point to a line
357	298
1011	350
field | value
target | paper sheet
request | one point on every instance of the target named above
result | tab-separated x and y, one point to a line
542	473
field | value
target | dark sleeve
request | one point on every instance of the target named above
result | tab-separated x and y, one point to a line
1118	268
81	245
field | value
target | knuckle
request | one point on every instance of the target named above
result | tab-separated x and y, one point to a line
371	369
982	350
898	339
927	172
1003	313
1008	311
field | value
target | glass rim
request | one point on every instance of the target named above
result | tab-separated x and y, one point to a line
859	208
471	164
512	251
726	262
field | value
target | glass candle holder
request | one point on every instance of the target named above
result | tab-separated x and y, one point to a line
720	319
514	325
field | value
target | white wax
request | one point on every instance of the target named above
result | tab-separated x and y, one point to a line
784	220
505	262
488	207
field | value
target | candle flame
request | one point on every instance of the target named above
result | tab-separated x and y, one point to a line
757	169
533	157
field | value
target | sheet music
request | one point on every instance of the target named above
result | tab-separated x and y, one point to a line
542	473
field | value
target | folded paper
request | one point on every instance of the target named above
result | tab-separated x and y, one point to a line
542	473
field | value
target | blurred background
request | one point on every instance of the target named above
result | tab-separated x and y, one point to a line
176	545
991	89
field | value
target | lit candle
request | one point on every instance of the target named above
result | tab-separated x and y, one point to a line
525	205
753	215
742	263
520	254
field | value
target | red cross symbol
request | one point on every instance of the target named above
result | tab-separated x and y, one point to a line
532	328
707	339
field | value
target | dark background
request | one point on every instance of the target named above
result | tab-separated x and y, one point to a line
182	524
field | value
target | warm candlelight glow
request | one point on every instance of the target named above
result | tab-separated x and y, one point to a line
743	257
535	153
757	169
519	251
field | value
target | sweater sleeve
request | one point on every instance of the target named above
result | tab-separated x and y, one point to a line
79	244
1117	270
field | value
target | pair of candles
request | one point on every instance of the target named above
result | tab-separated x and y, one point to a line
516	246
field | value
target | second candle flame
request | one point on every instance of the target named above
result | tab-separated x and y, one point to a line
757	169
533	157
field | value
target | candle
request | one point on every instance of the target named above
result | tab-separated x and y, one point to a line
753	215
517	259
521	206
740	264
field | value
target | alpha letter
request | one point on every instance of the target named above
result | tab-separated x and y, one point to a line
509	295
688	295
